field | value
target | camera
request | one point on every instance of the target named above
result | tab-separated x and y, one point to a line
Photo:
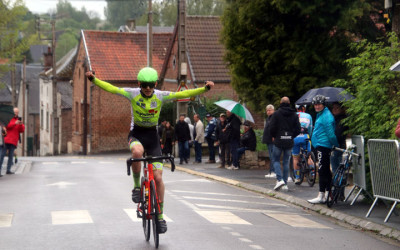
19	118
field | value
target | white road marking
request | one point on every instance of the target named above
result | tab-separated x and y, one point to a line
227	228
62	184
78	162
245	240
190	205
235	208
222	194
106	162
196	180
256	247
50	163
237	201
295	220
132	214
236	234
6	220
222	217
71	217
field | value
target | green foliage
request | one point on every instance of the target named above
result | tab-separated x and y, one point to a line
284	48
375	110
118	12
260	146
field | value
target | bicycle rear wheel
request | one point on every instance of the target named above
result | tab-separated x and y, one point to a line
144	206
154	213
312	170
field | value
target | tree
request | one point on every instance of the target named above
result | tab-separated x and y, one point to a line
118	12
284	48
374	111
15	37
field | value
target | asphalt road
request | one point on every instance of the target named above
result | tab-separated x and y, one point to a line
84	203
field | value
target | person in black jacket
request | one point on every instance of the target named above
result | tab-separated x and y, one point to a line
248	141
267	139
233	127
223	141
285	126
182	136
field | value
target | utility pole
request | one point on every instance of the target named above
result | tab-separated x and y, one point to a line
150	36
24	113
396	17
182	65
54	82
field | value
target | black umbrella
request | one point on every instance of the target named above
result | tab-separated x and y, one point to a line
6	114
332	94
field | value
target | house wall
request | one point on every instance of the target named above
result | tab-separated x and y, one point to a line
66	129
46	144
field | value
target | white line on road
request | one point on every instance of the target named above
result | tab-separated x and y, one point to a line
223	194
71	217
236	234
222	217
296	220
132	214
6	220
78	162
256	247
235	208
50	163
245	240
237	201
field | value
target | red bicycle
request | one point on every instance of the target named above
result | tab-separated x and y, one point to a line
148	207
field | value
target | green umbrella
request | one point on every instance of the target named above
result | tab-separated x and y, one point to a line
236	108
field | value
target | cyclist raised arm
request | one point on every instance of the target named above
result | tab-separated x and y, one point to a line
146	102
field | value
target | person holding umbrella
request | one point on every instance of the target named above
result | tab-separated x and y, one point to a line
14	128
323	138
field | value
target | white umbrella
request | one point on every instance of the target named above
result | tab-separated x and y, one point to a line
236	108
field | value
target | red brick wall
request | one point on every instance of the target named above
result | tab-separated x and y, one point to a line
66	129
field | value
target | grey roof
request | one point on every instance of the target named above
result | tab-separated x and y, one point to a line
65	89
143	29
65	66
37	53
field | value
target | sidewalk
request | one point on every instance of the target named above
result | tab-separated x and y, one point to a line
255	180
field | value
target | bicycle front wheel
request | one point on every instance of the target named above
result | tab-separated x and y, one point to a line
312	169
144	201
334	190
155	211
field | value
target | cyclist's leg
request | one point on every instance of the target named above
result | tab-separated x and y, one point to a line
295	153
137	152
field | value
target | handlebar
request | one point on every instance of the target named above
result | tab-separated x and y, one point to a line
348	150
150	158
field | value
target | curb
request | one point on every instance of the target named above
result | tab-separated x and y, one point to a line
358	222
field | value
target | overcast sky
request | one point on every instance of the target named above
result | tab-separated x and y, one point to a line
42	6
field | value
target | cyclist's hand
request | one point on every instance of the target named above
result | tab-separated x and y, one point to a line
209	84
90	75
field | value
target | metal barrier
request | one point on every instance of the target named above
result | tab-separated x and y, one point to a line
358	169
384	161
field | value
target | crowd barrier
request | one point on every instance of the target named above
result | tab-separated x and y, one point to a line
384	161
358	169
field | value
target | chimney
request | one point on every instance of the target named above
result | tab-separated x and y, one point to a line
48	59
131	23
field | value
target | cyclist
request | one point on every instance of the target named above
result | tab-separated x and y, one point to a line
306	124
146	102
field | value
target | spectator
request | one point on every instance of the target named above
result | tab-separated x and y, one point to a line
267	139
248	141
339	114
306	124
211	137
167	139
223	141
191	130
323	138
285	126
198	138
182	136
14	128
233	128
161	128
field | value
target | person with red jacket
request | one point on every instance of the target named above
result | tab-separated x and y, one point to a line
14	128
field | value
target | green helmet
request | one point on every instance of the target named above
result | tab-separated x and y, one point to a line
147	75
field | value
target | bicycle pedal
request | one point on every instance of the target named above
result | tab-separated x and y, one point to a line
139	214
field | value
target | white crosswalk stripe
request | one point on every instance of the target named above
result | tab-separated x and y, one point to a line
71	217
222	217
6	219
133	216
296	220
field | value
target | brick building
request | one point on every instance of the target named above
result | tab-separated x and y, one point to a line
116	57
204	57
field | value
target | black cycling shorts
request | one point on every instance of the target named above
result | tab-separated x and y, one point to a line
148	138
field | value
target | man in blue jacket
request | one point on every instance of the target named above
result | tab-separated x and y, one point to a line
211	137
323	139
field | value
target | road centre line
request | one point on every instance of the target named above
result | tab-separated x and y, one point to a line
237	201
222	194
245	240
256	247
